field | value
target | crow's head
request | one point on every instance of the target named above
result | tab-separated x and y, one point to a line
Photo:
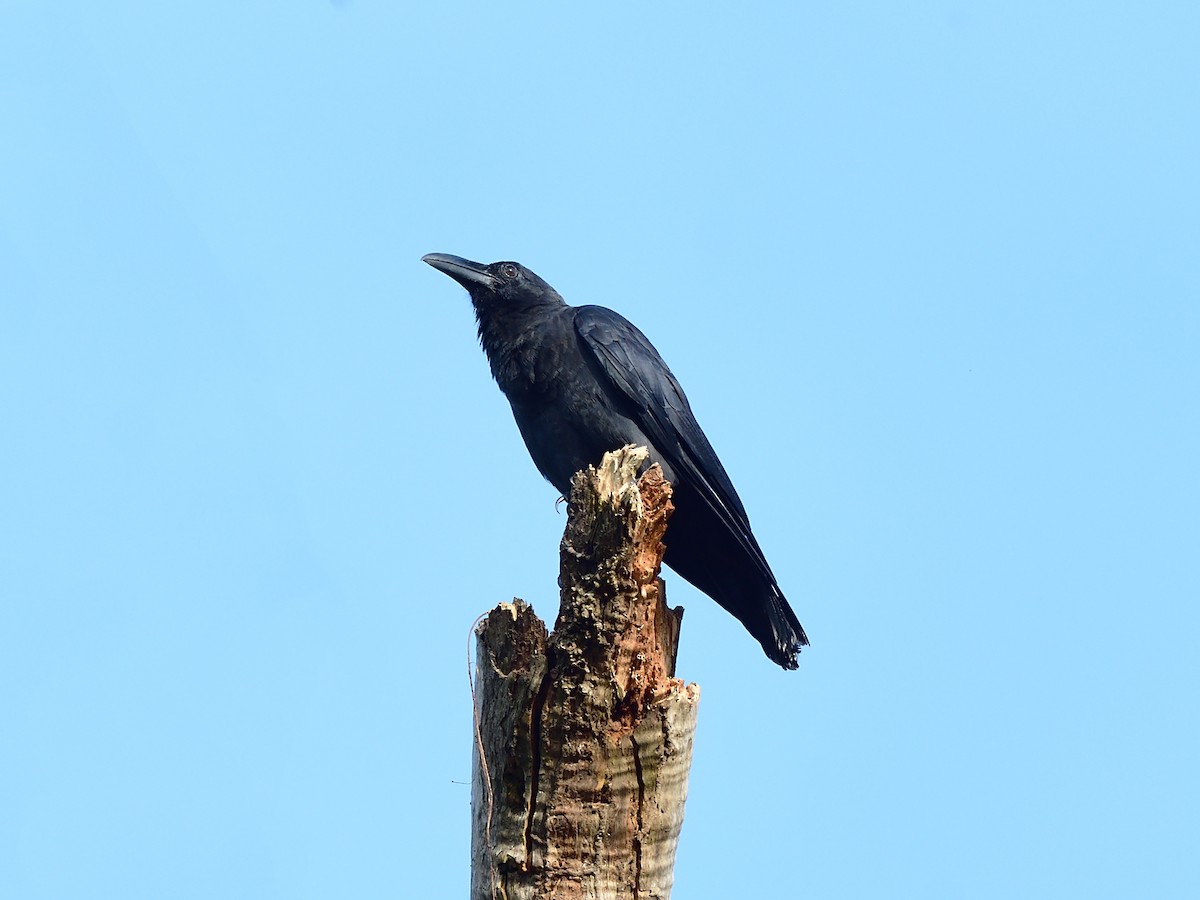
501	285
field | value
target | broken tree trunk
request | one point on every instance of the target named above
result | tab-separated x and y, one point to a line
584	736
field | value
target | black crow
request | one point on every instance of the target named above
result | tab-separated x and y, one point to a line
582	381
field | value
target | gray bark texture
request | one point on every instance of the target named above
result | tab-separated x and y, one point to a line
584	735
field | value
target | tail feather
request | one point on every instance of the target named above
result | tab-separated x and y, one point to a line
786	635
704	551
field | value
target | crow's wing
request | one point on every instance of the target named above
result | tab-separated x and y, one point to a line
656	402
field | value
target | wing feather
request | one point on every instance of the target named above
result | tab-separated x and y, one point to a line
658	405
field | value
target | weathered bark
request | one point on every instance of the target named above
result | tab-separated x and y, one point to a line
584	736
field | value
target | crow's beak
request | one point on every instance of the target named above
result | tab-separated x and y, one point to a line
463	271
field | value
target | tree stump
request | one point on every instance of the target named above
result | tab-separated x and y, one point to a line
584	735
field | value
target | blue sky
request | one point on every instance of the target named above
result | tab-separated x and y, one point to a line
928	273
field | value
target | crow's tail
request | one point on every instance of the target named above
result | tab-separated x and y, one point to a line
783	635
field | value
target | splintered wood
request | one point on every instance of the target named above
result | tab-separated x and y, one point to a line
584	735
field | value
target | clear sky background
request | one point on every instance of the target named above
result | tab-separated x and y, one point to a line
929	273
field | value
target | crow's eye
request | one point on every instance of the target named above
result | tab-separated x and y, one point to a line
509	270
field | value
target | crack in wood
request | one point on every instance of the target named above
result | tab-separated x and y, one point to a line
641	799
535	748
